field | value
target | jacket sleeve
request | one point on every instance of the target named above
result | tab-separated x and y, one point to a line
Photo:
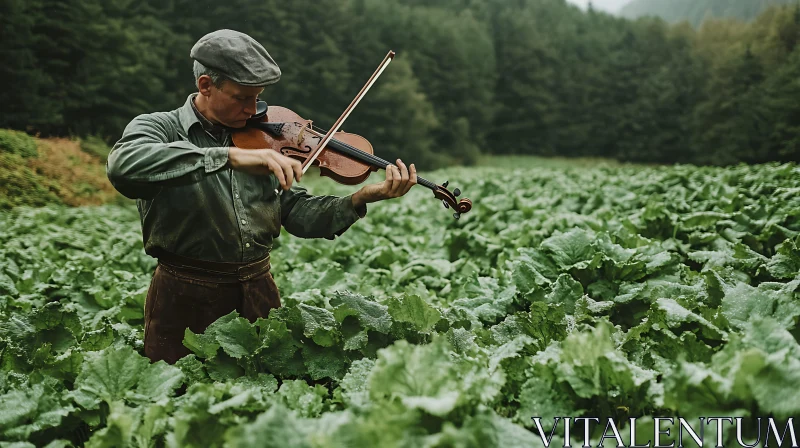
146	159
307	216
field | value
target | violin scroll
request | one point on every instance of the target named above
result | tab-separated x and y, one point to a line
450	199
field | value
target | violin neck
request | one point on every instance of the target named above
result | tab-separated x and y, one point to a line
426	183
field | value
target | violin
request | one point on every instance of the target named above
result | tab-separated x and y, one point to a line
346	158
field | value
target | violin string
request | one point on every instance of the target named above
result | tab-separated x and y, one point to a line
365	156
377	161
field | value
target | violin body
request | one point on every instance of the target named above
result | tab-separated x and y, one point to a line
297	140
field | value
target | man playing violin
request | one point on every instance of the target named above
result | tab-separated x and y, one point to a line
209	210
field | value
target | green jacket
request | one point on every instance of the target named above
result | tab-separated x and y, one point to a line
193	204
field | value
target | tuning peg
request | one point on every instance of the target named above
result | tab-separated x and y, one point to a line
457	192
446	183
446	205
457	215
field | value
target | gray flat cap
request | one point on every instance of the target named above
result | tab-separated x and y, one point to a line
236	56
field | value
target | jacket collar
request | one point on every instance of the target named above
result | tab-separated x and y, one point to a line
189	116
186	114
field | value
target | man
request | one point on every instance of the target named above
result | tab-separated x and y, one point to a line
210	210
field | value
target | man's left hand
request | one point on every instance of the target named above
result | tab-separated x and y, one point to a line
399	179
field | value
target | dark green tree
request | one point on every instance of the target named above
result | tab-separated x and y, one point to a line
731	123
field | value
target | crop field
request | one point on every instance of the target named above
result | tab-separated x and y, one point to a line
602	291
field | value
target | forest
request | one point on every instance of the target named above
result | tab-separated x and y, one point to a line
529	77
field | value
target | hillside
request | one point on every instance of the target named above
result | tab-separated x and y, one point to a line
695	11
38	172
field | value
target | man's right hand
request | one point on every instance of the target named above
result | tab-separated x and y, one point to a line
264	162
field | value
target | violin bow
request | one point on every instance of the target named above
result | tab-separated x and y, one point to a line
340	121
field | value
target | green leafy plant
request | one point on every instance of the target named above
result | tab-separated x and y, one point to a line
609	291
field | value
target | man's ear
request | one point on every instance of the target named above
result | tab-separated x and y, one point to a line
204	85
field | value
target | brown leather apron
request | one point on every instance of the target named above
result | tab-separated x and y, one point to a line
187	293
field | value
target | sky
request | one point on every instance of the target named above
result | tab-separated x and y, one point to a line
606	5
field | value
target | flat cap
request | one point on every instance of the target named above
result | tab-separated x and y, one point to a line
236	56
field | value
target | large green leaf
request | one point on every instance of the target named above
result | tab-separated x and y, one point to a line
118	373
415	311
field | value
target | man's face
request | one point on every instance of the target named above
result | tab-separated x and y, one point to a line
231	104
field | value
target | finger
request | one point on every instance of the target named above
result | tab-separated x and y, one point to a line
389	174
297	167
289	173
403	170
404	176
396	181
412	180
278	171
